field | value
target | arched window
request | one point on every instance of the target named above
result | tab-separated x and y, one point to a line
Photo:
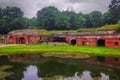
73	42
116	43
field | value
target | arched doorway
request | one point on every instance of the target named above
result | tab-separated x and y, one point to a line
100	58
73	42
21	40
101	42
83	43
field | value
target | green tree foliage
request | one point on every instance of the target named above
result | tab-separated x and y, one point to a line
0	13
46	17
51	19
11	19
107	17
119	26
31	23
73	19
80	21
94	19
115	10
26	22
62	22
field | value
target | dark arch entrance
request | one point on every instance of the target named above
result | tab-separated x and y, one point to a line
101	42
21	40
73	42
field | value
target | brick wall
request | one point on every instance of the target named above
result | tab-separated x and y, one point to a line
112	43
86	42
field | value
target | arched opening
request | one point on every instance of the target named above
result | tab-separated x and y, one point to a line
83	43
100	58
101	42
116	43
59	39
73	42
21	40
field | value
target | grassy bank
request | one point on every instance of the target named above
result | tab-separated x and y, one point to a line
68	49
115	27
46	32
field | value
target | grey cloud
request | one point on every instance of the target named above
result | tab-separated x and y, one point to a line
77	1
30	7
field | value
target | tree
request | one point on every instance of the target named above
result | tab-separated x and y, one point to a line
115	10
11	19
0	13
62	22
119	26
0	17
46	17
72	18
81	21
88	21
107	17
31	23
94	19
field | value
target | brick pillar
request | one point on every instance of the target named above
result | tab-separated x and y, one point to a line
26	39
15	39
14	56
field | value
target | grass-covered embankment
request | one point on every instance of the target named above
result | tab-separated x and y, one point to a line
115	27
68	49
46	32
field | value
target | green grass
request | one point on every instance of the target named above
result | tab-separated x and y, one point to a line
103	28
68	49
115	27
3	72
46	32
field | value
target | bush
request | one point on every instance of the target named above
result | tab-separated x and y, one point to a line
119	26
32	27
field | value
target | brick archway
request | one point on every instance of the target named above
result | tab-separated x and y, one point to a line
73	42
21	40
100	42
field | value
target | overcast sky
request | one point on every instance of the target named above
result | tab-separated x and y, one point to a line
30	7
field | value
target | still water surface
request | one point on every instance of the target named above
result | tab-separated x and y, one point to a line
37	67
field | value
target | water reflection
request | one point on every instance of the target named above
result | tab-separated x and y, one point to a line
31	73
86	75
104	76
47	67
104	60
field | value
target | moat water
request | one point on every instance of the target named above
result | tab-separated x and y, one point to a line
37	67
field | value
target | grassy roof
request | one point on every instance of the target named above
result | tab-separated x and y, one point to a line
44	32
103	28
114	27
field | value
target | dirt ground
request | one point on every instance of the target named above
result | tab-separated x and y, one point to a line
55	43
4	45
49	43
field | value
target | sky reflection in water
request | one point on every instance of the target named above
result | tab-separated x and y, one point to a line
31	73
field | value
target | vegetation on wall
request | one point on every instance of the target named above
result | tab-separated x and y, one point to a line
118	30
115	27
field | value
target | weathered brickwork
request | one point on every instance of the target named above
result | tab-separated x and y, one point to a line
106	39
100	40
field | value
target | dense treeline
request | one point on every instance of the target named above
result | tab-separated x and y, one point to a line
11	18
50	18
